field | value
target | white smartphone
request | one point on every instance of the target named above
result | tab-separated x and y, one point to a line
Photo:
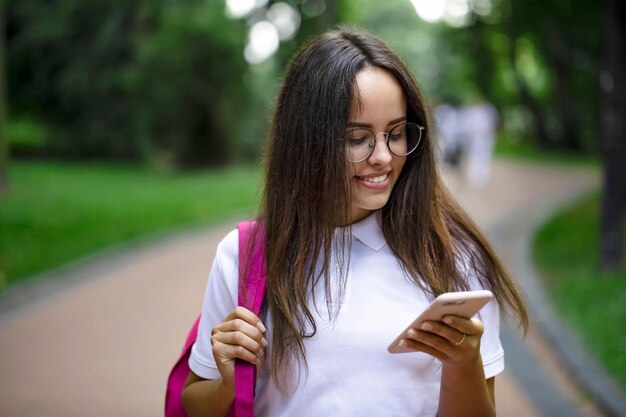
462	303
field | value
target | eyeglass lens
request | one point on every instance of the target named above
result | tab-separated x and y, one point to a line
401	140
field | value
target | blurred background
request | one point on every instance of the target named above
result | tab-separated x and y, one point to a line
123	118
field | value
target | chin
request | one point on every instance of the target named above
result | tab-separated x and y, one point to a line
372	205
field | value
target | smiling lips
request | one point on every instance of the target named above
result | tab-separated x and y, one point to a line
378	181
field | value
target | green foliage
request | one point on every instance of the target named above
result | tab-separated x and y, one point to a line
165	81
566	45
537	61
152	80
190	71
594	303
514	146
58	212
25	136
65	66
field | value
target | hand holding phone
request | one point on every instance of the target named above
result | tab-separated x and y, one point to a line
463	303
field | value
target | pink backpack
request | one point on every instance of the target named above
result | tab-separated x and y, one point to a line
251	294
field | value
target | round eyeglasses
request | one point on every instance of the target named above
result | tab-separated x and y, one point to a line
401	140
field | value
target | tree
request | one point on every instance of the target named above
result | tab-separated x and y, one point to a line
613	137
66	68
4	149
187	85
553	51
150	80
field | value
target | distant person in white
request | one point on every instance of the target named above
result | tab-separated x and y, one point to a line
449	139
478	121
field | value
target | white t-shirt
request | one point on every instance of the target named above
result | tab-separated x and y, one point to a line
350	372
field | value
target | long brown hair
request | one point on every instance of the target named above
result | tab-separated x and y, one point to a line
307	195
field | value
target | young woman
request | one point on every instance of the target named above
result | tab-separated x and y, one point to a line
360	236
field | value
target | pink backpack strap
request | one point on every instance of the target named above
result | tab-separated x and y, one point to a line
251	294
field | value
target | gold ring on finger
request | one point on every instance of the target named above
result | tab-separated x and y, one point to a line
460	341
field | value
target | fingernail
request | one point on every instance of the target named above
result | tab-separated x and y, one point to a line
447	320
402	343
264	342
427	326
260	326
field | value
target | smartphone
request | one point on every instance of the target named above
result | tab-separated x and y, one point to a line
461	303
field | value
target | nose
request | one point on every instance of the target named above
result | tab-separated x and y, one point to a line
380	154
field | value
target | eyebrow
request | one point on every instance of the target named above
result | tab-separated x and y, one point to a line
393	122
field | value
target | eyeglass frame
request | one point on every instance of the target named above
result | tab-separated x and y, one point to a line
386	136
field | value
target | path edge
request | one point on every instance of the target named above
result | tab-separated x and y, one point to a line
42	287
579	363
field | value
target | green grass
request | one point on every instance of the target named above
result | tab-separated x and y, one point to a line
523	149
57	212
593	302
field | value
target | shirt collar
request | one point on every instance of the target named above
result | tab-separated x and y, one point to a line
369	232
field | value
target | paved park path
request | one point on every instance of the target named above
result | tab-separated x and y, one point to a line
98	340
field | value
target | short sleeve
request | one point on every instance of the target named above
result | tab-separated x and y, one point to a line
491	349
220	299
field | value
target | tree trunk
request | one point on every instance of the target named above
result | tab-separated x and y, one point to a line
613	149
4	148
558	56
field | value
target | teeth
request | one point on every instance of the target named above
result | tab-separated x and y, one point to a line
376	179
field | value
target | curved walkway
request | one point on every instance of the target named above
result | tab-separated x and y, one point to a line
98	338
551	365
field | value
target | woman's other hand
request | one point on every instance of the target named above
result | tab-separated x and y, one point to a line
240	335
